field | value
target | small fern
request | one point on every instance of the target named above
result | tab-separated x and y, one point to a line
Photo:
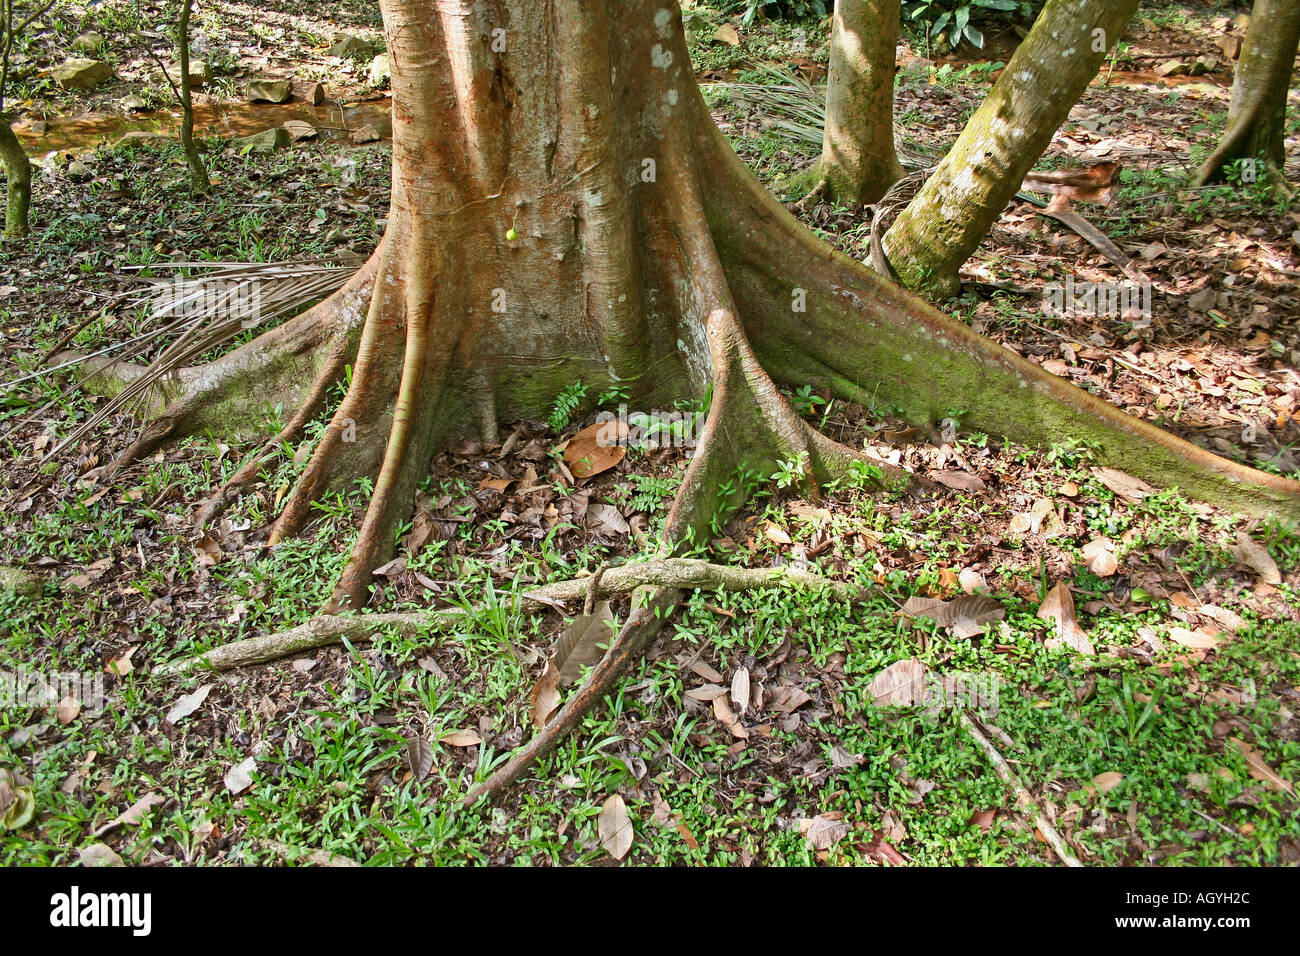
649	492
566	403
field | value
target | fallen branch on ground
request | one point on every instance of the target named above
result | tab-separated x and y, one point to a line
1023	797
676	573
321	631
686	574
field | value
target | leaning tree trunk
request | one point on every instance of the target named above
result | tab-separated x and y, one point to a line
563	209
858	161
1257	110
966	194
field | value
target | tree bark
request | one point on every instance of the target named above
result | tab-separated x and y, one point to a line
1257	109
858	162
18	173
966	194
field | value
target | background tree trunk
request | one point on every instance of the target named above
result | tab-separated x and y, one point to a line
18	171
199	181
1257	110
858	161
966	194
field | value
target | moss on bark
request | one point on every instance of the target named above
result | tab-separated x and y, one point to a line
945	222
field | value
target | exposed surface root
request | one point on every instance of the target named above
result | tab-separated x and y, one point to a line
651	608
312	405
679	573
871	342
1025	800
322	631
283	366
692	574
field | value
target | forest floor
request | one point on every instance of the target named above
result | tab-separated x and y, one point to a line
1177	742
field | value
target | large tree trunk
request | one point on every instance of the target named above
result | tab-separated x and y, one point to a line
564	208
858	161
966	194
1257	110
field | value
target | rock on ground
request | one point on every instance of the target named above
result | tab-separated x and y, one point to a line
81	74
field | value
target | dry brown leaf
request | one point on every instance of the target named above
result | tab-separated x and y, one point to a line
461	738
823	832
606	519
960	480
418	757
841	759
614	827
240	777
688	836
68	709
89	574
1123	484
1099	554
707	672
98	854
1256	557
661	812
595	449
1181	635
422	529
917	606
1222	616
901	684
1043	518
1259	768
1058	606
583	643
1105	782
968	614
133	814
544	698
725	716
390	569
207	551
727	34
706	692
187	704
121	666
971	581
786	699
775	533
880	850
740	690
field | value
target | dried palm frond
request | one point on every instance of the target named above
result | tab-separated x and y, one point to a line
791	103
196	313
